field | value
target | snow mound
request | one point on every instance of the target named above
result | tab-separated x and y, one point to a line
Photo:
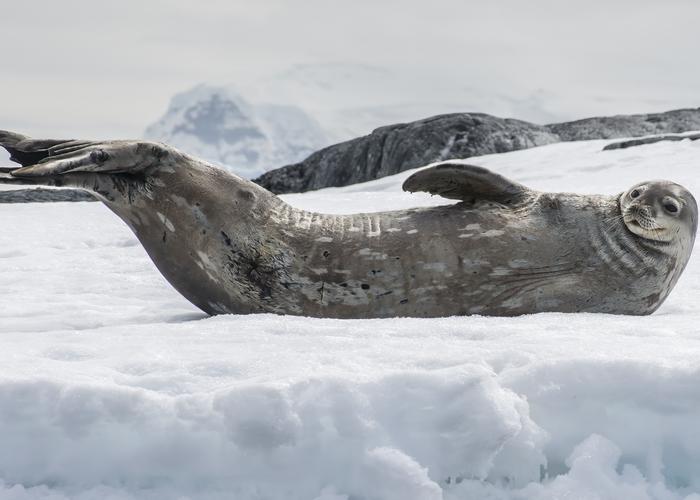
112	386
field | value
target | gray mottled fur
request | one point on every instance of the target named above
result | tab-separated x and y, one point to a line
230	246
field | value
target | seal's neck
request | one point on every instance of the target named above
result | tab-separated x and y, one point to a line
624	252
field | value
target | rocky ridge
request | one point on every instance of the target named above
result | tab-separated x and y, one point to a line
395	148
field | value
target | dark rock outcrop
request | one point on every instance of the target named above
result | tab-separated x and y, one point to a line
42	195
614	127
650	140
392	149
395	148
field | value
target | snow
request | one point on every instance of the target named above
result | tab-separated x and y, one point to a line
112	386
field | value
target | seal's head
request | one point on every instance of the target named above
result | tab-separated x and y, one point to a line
660	211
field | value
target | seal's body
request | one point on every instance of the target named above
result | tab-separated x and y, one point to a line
230	246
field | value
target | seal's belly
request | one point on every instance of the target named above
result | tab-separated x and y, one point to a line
438	261
429	264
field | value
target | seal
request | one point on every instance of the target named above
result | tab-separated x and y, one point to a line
230	246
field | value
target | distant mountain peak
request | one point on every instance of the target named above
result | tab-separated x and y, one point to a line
217	124
217	120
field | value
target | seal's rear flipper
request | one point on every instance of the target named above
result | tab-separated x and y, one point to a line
47	160
26	151
36	157
468	183
6	177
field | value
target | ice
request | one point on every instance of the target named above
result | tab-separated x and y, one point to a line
112	386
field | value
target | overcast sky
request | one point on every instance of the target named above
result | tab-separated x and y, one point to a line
108	69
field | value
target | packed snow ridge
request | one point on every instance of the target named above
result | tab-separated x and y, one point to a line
112	386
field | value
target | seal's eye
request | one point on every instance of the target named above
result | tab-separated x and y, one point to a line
671	207
635	193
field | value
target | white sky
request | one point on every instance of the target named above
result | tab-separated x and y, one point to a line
108	69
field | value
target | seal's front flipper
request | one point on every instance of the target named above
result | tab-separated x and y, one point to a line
468	183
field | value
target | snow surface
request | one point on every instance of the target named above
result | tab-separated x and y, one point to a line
112	386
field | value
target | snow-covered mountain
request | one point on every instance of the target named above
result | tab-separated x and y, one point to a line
217	124
350	100
280	119
255	126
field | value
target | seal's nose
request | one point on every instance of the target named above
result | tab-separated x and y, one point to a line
647	211
643	211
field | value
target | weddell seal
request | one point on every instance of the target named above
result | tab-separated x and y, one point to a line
230	246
